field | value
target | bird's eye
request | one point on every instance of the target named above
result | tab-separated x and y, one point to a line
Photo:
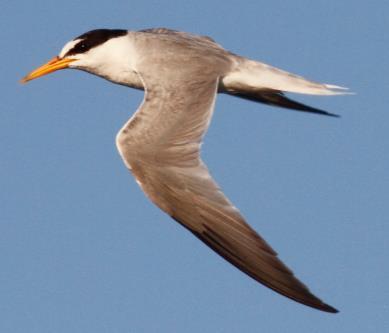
82	46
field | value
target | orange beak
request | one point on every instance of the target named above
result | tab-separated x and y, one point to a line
53	65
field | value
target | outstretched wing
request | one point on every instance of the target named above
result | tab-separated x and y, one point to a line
160	144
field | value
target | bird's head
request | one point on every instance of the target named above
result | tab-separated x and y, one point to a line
103	52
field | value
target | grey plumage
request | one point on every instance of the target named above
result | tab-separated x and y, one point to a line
181	74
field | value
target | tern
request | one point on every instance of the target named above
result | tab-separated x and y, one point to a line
181	74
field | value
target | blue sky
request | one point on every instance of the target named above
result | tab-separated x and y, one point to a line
83	250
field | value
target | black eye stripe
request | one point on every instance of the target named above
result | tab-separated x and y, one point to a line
94	38
80	47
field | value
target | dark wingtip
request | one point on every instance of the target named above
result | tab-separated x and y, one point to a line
328	308
325	113
277	98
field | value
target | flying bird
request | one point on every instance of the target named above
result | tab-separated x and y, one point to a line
181	75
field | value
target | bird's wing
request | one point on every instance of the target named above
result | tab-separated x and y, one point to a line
160	144
277	98
251	76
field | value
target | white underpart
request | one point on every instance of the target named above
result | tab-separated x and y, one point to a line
256	75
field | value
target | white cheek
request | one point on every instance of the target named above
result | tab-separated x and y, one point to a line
114	60
120	52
